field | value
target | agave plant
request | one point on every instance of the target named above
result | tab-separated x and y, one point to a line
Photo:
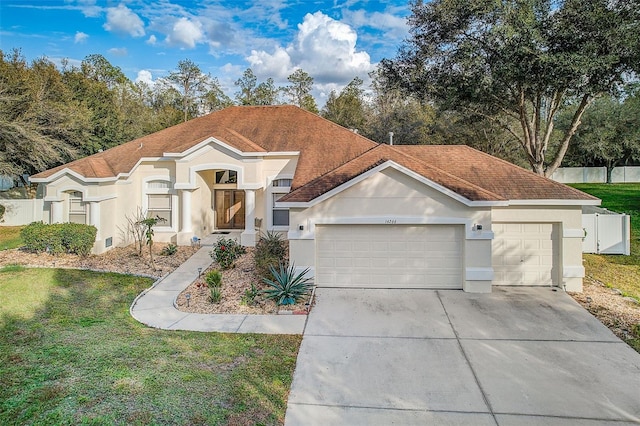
286	287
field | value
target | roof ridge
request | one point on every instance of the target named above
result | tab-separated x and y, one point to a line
245	139
334	169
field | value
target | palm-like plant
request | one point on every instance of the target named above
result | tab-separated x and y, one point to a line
286	287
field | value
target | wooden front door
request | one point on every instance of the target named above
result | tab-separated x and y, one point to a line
229	204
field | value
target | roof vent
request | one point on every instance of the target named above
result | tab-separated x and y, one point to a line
390	138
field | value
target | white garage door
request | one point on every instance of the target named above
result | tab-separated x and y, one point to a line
525	254
389	256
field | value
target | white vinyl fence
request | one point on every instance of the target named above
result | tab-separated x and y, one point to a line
605	232
627	174
21	212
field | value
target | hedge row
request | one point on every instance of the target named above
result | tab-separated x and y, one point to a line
59	238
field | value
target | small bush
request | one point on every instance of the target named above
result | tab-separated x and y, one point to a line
271	251
249	296
59	238
216	295
169	250
287	287
226	251
2	210
213	278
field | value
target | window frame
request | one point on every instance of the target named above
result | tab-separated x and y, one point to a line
72	196
275	189
161	185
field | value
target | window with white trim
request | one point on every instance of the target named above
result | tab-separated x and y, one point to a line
77	208
159	201
279	215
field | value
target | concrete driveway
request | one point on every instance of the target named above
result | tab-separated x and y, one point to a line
517	356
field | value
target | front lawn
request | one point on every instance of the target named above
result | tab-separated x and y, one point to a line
616	271
10	237
621	272
70	353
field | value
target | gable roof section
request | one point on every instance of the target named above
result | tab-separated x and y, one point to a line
323	145
378	156
498	176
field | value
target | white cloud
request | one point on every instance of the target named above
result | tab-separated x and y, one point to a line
276	64
119	51
152	40
323	47
145	76
80	37
88	8
185	33
123	20
393	27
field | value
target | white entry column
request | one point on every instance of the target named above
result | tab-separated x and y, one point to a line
248	236
94	217
57	212
185	211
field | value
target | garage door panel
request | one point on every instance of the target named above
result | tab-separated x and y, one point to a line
525	254
390	256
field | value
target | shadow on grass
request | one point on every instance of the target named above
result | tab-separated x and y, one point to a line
81	358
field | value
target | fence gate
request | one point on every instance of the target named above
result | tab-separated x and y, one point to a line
606	232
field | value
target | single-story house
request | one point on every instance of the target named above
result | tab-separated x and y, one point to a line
357	213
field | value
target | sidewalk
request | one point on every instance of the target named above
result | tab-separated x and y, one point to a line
155	306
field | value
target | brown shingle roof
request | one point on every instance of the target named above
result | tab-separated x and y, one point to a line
323	145
330	155
493	174
380	155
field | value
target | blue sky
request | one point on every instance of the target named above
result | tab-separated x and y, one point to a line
332	40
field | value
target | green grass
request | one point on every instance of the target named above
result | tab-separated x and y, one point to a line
10	237
616	271
621	272
70	353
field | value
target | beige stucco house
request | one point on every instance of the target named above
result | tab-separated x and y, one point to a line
357	213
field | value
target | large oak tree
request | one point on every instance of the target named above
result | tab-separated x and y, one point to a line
520	61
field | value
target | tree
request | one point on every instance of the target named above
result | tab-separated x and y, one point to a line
252	93
609	135
521	60
299	91
41	125
266	93
148	225
192	83
347	109
215	99
410	120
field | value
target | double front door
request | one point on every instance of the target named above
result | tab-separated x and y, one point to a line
229	205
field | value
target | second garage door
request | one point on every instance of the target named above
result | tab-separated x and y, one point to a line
525	254
389	256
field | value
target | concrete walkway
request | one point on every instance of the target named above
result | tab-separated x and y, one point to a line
517	356
155	307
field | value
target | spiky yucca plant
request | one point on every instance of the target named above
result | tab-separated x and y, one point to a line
286	287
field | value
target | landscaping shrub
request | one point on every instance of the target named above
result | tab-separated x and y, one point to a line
287	287
226	251
271	251
213	278
78	238
59	238
216	295
2	210
169	250
249	296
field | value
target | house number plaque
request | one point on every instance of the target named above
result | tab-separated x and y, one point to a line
390	221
